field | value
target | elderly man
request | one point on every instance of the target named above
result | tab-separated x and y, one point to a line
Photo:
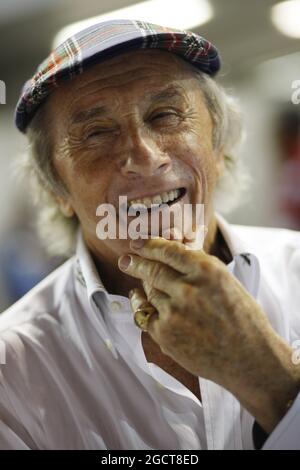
203	354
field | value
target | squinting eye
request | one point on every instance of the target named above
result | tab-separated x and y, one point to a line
97	132
166	120
93	134
162	115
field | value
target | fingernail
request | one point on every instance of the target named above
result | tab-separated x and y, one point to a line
124	262
136	244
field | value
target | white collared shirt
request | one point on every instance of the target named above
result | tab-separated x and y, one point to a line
74	374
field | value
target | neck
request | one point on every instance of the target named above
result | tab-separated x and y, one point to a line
119	283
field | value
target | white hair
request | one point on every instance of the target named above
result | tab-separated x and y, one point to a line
58	232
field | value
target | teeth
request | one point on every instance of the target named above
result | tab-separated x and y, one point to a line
165	197
146	201
158	199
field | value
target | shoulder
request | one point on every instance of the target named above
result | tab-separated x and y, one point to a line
33	335
269	240
277	249
32	338
45	296
40	304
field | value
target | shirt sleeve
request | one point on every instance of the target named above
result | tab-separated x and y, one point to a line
286	435
9	440
13	432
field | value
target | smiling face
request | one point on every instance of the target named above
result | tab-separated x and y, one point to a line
136	126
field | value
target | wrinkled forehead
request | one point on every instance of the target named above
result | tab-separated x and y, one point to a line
153	67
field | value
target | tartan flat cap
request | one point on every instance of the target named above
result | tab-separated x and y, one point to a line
103	41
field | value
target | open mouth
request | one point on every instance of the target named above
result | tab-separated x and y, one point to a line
170	198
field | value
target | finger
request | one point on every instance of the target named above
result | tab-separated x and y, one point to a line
138	300
169	252
156	297
197	242
156	274
148	297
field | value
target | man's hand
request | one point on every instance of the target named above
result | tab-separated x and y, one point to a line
210	325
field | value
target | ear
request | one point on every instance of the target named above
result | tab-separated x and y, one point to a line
65	207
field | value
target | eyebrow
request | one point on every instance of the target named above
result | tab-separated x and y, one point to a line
167	93
98	111
85	115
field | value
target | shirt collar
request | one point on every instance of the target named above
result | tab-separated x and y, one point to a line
234	243
245	265
86	271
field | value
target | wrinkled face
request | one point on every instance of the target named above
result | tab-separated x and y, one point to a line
137	126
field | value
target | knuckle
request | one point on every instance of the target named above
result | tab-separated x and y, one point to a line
206	265
156	244
187	291
173	249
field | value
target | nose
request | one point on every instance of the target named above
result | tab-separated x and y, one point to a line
142	156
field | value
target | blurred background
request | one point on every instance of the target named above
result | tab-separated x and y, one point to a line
259	43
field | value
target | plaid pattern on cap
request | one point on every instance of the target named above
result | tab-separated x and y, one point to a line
103	41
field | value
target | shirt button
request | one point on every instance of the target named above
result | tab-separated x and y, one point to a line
115	306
